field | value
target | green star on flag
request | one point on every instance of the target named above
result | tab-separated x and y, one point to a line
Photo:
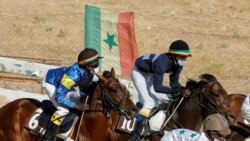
105	29
110	41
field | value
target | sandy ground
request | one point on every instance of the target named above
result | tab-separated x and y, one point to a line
52	32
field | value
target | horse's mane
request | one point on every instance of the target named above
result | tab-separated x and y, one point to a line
204	79
191	84
207	77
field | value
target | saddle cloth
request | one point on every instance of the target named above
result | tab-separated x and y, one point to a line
155	122
41	117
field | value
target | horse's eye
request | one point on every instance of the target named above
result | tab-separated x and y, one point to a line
226	101
113	90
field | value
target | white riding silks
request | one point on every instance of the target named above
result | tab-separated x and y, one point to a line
95	78
245	109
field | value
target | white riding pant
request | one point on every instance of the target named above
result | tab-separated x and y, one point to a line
73	95
143	83
245	109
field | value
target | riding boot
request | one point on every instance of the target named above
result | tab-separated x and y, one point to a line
138	129
51	131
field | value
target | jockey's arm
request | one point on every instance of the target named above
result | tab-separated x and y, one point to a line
65	85
174	78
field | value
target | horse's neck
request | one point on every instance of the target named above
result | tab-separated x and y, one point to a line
190	114
95	98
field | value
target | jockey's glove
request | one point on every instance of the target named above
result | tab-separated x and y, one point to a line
176	90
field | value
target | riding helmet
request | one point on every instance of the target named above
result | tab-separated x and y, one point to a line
179	47
216	122
88	56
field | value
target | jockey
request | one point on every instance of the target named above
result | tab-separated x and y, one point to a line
147	76
245	111
60	85
215	128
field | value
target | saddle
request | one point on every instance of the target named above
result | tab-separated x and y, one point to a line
40	120
159	116
155	121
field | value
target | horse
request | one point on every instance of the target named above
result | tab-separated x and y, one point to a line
98	119
239	130
108	95
207	97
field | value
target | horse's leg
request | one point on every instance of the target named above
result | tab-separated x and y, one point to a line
13	118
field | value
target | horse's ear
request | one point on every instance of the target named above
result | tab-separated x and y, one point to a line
113	72
203	79
101	78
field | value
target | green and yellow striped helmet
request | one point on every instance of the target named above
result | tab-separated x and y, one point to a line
87	56
179	47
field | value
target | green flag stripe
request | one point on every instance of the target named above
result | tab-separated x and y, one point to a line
93	28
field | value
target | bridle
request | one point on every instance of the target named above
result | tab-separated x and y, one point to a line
104	100
211	106
116	106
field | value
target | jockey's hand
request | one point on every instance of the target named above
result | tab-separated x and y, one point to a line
82	107
185	92
176	92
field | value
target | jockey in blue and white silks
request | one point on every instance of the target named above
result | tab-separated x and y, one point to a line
64	79
61	85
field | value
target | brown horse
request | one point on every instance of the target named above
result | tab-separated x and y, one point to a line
109	95
239	130
207	97
98	120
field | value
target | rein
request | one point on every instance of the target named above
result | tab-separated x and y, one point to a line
116	107
212	106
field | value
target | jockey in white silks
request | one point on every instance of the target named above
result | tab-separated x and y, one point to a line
245	111
147	76
61	84
215	128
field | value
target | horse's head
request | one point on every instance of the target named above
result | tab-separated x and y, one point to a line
215	96
115	95
212	96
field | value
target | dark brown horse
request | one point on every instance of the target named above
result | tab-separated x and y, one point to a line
239	130
109	95
207	97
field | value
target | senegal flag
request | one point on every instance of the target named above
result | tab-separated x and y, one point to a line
112	35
